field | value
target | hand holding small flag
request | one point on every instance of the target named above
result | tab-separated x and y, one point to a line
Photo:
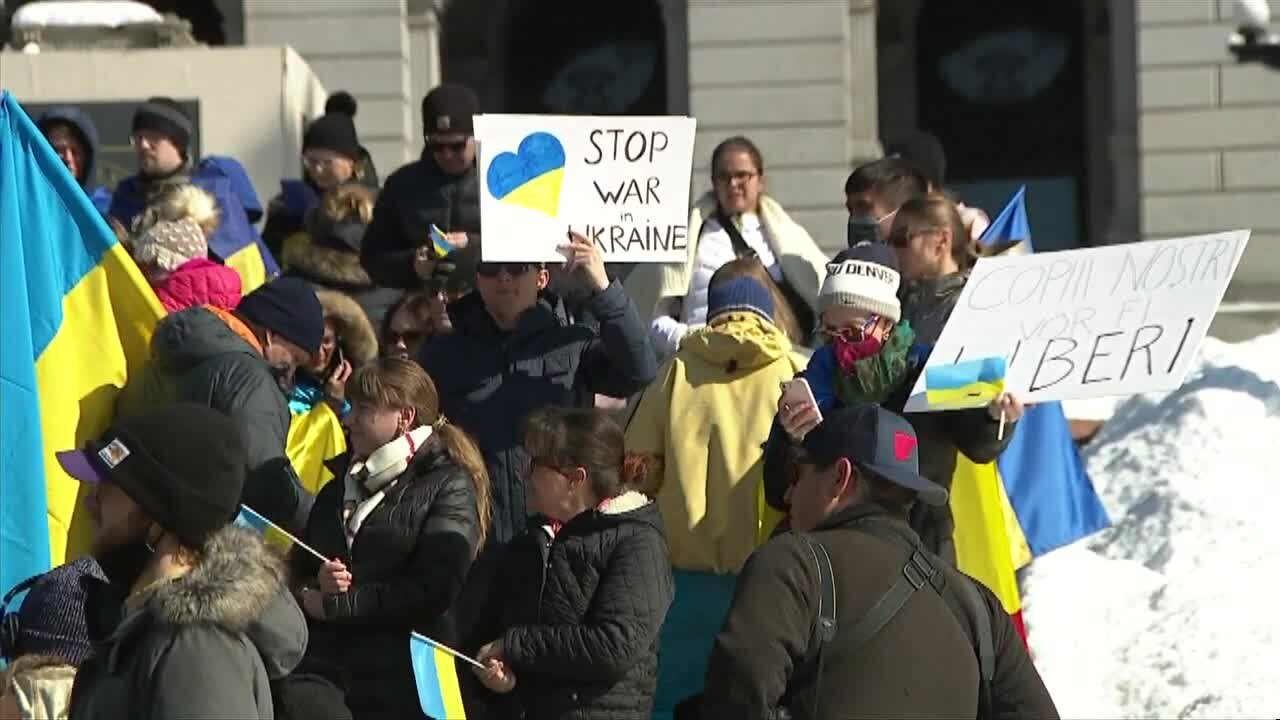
496	674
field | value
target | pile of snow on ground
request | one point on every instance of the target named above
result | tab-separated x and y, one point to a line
1174	612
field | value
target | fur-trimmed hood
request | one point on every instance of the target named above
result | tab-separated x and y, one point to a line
324	263
356	335
238	586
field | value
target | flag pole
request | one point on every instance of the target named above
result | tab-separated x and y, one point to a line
447	650
286	533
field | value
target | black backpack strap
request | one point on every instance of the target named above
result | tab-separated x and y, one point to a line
740	246
964	601
824	630
967	594
916	573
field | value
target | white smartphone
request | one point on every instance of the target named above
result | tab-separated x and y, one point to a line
797	392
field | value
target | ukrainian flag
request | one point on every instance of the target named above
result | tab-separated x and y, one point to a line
968	384
1052	496
437	675
314	438
76	318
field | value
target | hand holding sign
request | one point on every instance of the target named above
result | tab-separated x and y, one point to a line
581	254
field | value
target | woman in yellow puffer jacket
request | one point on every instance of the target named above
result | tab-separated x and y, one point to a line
705	421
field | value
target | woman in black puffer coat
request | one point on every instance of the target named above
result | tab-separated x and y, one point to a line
586	590
403	520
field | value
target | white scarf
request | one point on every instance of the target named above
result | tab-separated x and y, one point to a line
368	481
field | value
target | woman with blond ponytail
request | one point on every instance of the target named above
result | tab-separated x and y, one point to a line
402	523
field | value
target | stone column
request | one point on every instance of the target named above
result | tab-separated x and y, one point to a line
862	89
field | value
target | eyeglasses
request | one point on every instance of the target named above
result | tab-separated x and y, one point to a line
728	178
491	270
147	137
855	333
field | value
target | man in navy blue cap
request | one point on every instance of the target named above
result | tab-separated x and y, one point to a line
240	363
849	616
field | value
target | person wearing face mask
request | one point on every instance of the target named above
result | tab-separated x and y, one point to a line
873	194
872	355
241	363
198	621
514	349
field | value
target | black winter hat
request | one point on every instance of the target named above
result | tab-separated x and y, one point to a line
183	463
164	115
334	131
924	150
52	619
449	109
288	307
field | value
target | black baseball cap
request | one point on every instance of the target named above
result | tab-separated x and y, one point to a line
876	441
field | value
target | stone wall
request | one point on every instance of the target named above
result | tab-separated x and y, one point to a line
1209	136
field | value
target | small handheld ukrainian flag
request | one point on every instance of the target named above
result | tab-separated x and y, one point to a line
440	242
968	384
437	678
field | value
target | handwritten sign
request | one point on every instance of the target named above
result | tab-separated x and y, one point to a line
623	182
1116	320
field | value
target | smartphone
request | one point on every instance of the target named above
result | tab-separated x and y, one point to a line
797	392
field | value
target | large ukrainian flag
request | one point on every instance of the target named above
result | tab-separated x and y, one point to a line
76	317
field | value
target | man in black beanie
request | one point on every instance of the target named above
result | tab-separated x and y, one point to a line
162	134
207	622
441	188
240	363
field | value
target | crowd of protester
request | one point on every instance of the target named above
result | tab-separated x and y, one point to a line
599	491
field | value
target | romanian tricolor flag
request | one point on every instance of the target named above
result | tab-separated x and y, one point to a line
1036	496
1051	495
436	673
76	318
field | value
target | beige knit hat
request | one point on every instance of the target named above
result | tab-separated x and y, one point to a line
169	244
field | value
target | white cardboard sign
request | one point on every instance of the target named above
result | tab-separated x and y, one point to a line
621	181
1097	322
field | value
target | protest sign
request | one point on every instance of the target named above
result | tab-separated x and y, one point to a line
1116	320
623	182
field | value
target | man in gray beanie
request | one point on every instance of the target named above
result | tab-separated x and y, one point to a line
242	364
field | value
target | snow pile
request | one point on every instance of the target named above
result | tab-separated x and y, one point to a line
84	13
1174	611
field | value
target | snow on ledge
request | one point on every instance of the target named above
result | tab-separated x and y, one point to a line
84	13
